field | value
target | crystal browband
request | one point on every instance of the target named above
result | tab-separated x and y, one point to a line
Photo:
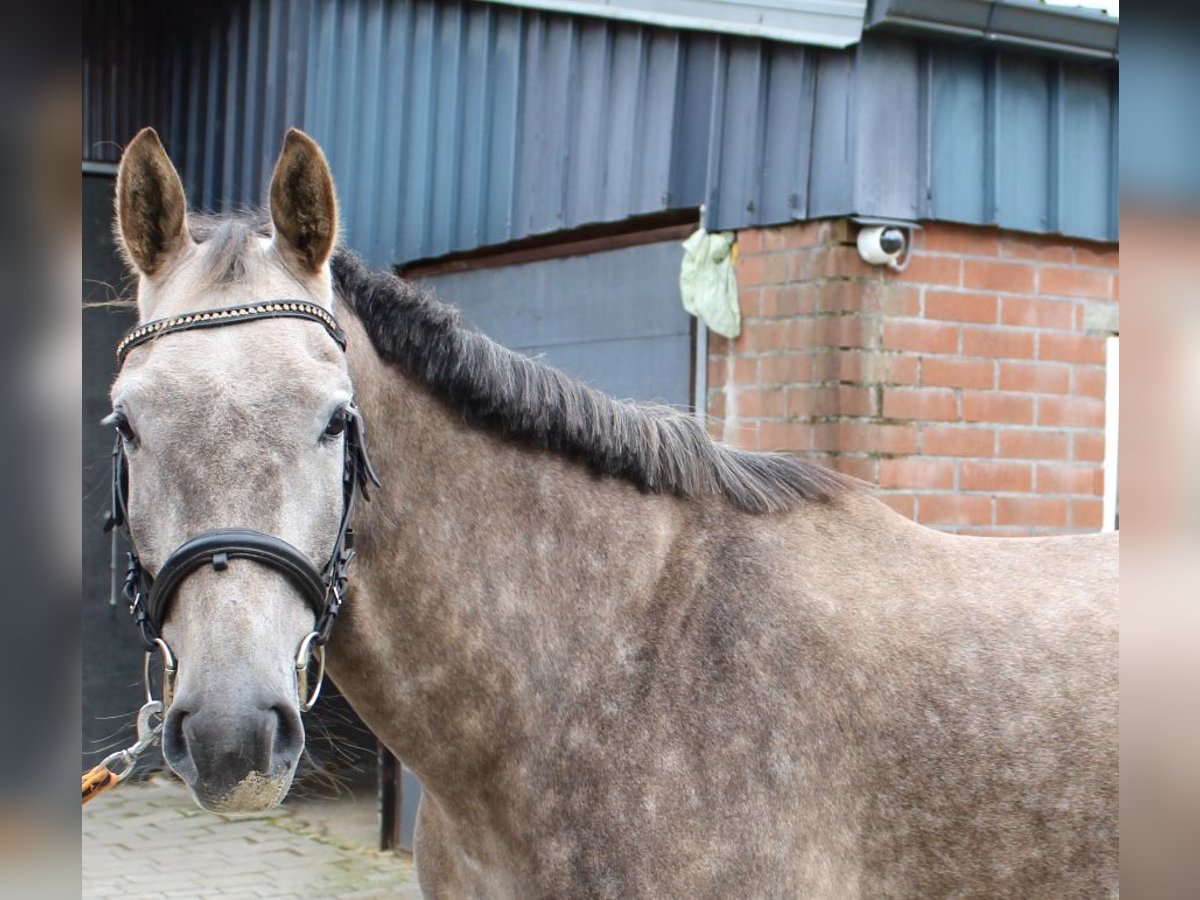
231	315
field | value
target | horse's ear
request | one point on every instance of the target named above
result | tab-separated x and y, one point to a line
303	203
151	206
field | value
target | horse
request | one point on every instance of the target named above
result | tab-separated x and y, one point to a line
623	659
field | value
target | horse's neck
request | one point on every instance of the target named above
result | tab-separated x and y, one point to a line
488	575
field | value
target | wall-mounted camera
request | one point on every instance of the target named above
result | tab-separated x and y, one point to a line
882	243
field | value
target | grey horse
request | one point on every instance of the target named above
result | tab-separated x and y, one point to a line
624	660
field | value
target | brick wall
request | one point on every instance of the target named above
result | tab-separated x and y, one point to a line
970	387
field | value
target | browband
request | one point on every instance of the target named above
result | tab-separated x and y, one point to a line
231	315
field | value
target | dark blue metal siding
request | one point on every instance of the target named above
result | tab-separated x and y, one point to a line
455	125
1022	142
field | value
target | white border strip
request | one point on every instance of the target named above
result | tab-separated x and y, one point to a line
1112	405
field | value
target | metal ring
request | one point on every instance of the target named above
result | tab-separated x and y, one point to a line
168	678
302	658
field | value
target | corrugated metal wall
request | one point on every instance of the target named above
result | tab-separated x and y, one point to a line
454	125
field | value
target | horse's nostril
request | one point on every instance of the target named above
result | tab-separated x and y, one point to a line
289	734
175	743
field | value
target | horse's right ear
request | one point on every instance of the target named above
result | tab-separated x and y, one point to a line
151	206
303	203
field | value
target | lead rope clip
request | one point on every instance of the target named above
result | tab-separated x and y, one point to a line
117	767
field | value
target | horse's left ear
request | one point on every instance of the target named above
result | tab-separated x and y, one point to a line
303	203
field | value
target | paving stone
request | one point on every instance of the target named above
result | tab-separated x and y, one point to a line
150	840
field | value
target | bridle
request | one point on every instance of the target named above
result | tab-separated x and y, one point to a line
149	596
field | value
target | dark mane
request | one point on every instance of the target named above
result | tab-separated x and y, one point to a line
657	448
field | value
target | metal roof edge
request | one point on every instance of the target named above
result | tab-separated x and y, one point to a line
1025	24
745	19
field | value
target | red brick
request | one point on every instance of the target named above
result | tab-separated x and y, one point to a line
745	371
997	343
957	441
784	436
925	268
864	467
788	300
961	239
810	401
1031	511
1015	278
898	369
920	474
925	404
944	372
919	336
891	298
1038	378
865	438
758	336
1088	447
803	234
719	345
841	261
790	369
1065	479
843	331
716	370
855	401
960	307
1041	250
1022	444
905	504
751	271
749	241
1088	382
992	406
762	403
1107	256
823	262
868	367
1037	313
716	405
1075	282
1073	348
995	476
955	509
840	296
1087	513
801	333
1071	412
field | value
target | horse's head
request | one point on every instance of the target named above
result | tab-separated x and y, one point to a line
232	427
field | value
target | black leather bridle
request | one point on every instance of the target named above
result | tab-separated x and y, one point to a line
149	596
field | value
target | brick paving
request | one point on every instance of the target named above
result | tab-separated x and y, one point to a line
151	840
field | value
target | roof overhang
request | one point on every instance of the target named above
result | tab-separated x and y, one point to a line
823	23
1025	24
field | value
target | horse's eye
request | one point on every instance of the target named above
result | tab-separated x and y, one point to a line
337	424
123	427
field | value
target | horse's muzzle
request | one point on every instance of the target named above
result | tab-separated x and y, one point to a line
239	761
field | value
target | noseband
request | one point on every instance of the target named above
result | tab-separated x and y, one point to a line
323	589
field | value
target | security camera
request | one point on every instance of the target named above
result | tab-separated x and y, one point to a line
882	245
